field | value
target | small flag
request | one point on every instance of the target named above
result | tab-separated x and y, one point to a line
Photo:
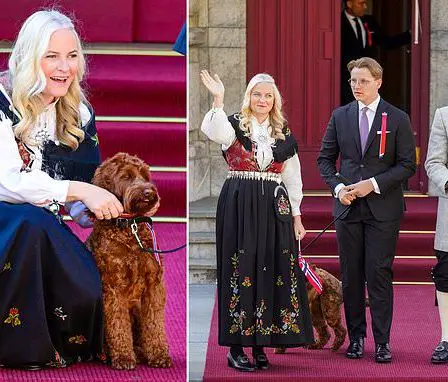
309	273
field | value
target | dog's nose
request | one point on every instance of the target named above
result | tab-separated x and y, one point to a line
149	192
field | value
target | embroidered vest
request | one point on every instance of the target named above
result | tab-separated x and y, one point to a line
240	156
60	161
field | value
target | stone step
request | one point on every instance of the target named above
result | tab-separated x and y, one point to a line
202	271
202	225
202	216
202	238
204	208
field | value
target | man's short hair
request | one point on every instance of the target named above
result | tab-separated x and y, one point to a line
373	66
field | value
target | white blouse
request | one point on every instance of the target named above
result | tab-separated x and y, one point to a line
218	128
35	186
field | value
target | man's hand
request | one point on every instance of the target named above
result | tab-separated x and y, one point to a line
361	189
345	197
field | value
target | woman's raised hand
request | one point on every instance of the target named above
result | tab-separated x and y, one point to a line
214	86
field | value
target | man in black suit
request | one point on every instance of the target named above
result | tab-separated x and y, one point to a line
371	184
360	35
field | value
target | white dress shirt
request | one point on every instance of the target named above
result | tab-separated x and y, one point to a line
371	111
34	186
352	20
218	128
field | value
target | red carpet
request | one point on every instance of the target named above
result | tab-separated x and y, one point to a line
106	20
137	85
415	241
157	143
415	332
169	235
134	85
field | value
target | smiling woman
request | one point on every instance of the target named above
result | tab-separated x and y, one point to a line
50	288
60	64
262	299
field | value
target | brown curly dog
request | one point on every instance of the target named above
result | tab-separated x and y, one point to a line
325	311
133	289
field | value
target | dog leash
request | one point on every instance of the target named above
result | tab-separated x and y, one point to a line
309	273
326	228
154	250
344	180
127	221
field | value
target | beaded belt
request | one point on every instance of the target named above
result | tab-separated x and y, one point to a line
255	175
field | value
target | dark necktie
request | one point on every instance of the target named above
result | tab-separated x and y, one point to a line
359	31
364	128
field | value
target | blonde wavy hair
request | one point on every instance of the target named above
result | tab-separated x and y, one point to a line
276	117
28	79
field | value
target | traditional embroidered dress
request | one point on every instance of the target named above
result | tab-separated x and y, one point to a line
50	290
262	298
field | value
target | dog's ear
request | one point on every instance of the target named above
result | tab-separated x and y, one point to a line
105	174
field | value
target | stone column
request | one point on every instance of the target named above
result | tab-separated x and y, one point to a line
218	43
438	94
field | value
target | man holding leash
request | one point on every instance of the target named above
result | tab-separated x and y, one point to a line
376	148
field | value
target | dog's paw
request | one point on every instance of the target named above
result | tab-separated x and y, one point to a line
316	346
161	362
280	350
338	342
123	363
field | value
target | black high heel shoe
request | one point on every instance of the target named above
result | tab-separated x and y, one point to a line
261	361
440	354
240	363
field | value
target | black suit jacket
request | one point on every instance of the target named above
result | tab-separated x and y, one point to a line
342	141
351	49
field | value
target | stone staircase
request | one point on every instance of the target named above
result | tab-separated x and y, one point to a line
202	252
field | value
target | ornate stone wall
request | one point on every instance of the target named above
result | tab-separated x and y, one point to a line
217	43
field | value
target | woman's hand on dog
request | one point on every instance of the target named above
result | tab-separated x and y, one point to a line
299	229
101	202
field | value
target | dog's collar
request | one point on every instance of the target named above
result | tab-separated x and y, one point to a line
126	220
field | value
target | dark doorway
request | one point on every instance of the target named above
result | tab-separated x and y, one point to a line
299	43
406	68
395	18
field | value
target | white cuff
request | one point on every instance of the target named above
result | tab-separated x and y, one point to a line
337	189
375	185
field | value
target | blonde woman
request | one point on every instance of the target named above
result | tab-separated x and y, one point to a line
50	302
262	296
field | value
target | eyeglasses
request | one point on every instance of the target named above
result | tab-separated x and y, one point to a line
362	82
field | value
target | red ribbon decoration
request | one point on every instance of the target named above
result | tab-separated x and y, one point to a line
369	35
383	135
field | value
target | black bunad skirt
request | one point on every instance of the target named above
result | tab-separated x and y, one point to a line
262	297
50	291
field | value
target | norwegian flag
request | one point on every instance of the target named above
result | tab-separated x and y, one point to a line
309	273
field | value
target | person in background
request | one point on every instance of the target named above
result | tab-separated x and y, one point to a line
436	168
360	36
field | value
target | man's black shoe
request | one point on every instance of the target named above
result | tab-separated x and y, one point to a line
241	362
383	353
261	361
440	354
355	349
